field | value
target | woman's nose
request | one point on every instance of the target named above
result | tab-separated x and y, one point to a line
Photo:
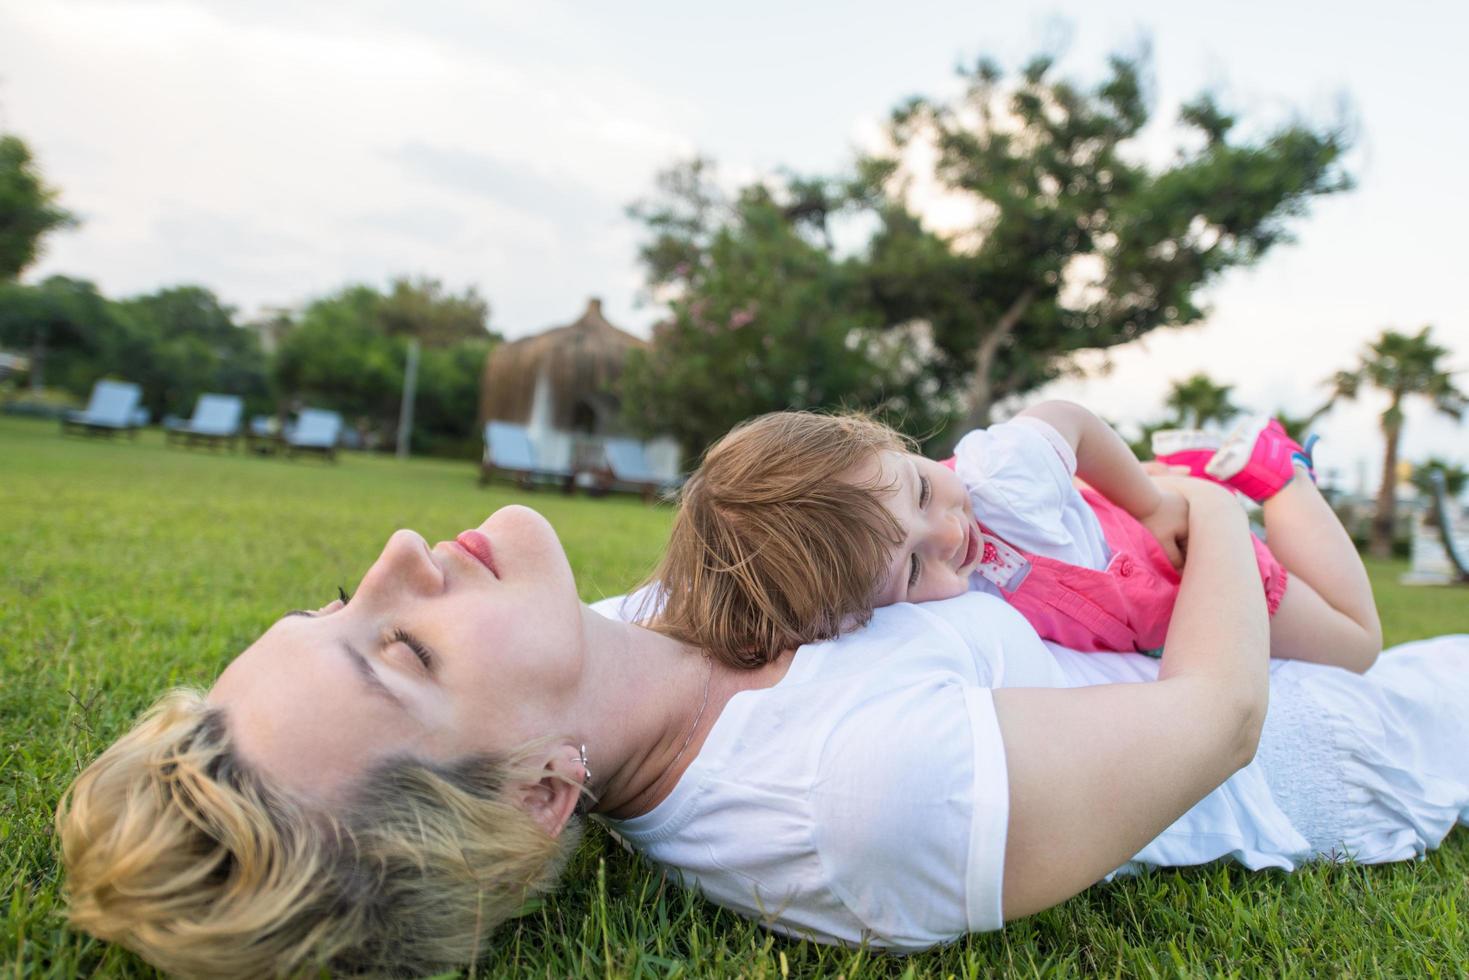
404	565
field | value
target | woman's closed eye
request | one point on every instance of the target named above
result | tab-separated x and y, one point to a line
422	652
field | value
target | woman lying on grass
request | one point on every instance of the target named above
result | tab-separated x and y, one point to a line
376	784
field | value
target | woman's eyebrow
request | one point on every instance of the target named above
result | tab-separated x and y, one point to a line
369	676
373	682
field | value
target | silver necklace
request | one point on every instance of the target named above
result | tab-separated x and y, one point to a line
708	678
703	705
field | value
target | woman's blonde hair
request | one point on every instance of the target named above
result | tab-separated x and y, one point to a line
176	849
778	541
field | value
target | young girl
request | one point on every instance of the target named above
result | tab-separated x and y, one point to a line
1050	511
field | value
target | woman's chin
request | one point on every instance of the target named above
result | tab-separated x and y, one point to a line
523	539
517	519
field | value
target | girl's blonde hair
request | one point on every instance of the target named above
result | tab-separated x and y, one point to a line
175	849
778	540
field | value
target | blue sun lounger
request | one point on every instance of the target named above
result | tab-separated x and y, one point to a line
112	408
317	431
216	420
509	450
627	465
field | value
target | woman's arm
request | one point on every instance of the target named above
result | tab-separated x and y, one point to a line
1105	462
1096	773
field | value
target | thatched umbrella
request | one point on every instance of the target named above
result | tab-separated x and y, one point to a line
581	363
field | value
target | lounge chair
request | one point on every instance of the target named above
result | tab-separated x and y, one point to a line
628	469
509	450
112	408
316	430
216	420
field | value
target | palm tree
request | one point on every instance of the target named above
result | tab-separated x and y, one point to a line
1197	401
1400	365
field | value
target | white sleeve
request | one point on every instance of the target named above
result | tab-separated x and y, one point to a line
911	808
635	607
1019	477
1030	443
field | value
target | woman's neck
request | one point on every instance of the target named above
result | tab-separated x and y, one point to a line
649	703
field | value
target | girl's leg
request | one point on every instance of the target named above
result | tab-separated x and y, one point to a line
1328	614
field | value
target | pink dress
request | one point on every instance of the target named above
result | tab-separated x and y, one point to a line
1124	605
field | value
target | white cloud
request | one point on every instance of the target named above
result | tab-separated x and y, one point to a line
235	151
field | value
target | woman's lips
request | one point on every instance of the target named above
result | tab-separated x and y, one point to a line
478	545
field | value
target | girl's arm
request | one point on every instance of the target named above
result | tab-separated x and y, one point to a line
1095	773
1105	462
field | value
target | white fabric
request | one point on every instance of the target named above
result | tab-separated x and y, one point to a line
1019	477
865	796
1374	767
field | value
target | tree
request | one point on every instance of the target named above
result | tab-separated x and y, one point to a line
181	342
1402	366
1193	403
1197	400
1074	244
348	350
67	327
340	355
422	308
448	398
762	317
28	208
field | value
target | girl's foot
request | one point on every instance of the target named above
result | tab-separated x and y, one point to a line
1258	458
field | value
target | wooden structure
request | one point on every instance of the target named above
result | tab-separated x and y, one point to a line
561	385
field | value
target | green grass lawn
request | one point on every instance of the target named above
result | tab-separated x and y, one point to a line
126	567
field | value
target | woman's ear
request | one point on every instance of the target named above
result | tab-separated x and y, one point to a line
553	799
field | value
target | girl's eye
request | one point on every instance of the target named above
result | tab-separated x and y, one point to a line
342	594
913	572
925	491
419	650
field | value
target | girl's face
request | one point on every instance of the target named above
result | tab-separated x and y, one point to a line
469	646
941	544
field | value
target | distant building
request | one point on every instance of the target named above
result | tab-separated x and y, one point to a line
561	384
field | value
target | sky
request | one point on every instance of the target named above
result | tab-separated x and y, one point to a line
275	150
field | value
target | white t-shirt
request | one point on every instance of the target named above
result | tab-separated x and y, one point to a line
1019	477
865	797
